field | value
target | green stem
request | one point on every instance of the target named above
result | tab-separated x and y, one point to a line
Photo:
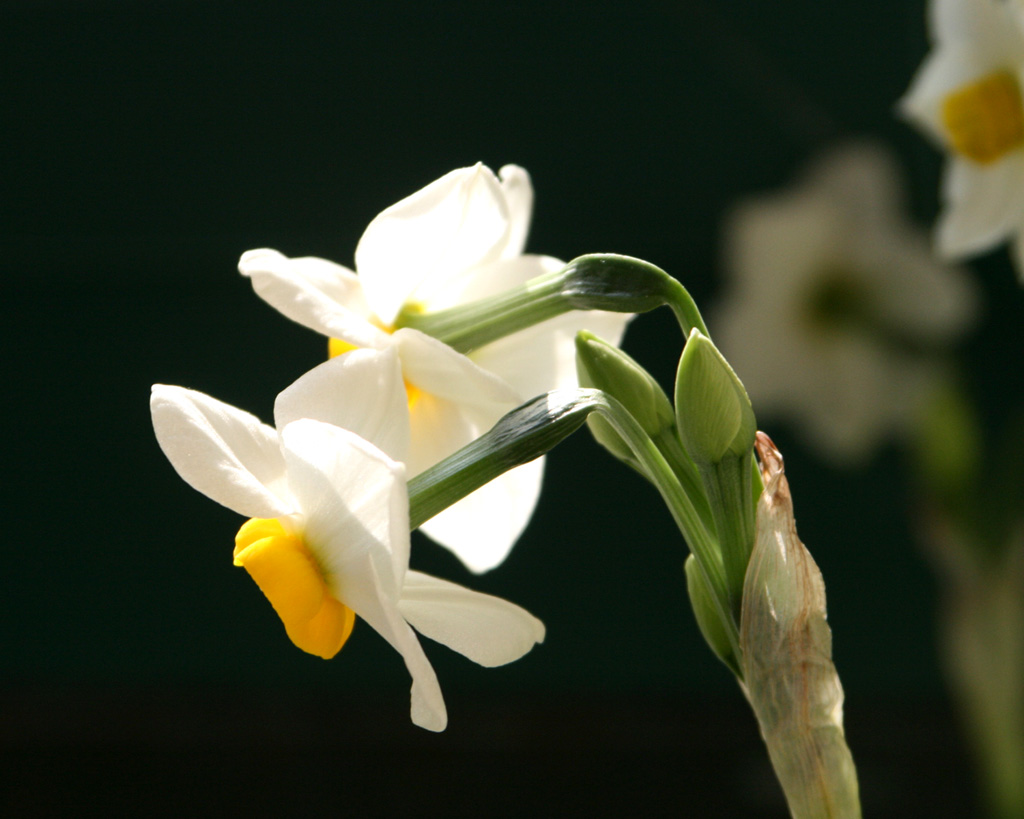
685	469
610	282
731	500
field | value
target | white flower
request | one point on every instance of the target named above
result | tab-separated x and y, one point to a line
328	537
967	96
457	240
835	308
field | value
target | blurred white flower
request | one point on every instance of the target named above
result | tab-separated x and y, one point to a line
328	537
835	309
457	240
967	97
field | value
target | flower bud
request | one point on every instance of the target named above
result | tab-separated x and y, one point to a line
713	411
708	618
606	367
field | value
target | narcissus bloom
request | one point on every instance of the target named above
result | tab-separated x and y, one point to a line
967	96
457	240
836	312
328	535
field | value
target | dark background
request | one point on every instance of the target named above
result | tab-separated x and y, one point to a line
144	147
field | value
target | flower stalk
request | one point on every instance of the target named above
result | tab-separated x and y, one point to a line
605	281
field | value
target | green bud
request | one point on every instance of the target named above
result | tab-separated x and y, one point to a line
708	618
606	367
713	411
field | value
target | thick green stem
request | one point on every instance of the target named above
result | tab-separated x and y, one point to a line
731	501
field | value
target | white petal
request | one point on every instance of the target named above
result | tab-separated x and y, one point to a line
436	368
415	246
457	403
543	357
482	528
864	179
361	591
916	291
983	204
488	630
988	25
221	451
353	501
316	293
943	71
361	391
518	190
491	279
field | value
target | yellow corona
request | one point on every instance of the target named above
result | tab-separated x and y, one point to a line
289	575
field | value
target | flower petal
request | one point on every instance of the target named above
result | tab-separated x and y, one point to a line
437	369
482	528
458	402
488	630
984	204
361	391
221	451
944	70
316	293
518	190
990	27
543	357
360	588
413	247
929	299
353	501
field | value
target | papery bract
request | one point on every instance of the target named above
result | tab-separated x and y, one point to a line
786	646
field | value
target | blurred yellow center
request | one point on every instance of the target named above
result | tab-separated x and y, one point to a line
288	574
985	118
336	347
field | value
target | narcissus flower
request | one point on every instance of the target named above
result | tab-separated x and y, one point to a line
457	240
836	312
328	535
967	96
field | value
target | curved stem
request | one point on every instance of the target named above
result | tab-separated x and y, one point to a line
605	281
